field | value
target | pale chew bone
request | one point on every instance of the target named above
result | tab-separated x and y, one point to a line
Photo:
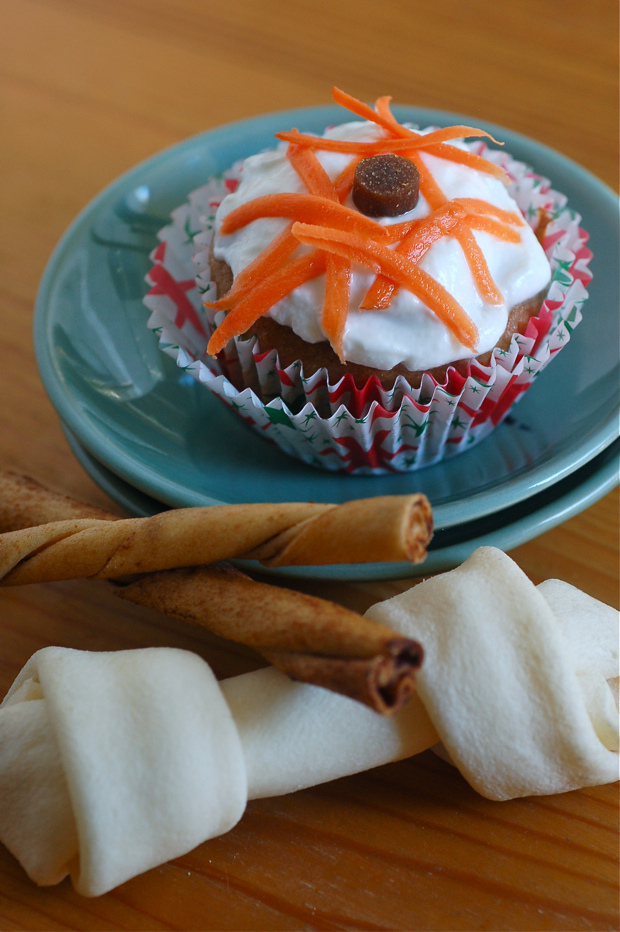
111	763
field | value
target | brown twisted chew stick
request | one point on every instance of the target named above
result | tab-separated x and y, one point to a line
311	639
386	529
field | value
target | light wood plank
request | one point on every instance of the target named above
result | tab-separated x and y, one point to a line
90	88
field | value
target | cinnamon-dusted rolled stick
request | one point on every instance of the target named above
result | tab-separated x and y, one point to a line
311	639
386	529
26	503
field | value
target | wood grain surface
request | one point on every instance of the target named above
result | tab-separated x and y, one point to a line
90	88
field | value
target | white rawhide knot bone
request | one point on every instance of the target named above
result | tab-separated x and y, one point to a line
515	676
113	763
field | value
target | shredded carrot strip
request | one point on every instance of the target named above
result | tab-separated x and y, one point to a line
394	232
402	145
274	255
337	270
379	295
311	172
314	176
494	227
389	121
264	296
465	157
382	106
486	287
343	183
336	304
385	261
308	208
429	188
359	108
434	140
344	146
413	246
380	146
265	264
448	133
475	205
430	229
383	116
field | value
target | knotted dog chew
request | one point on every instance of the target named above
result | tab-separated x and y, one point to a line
310	639
102	756
145	764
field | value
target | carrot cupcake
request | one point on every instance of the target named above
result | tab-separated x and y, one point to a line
372	295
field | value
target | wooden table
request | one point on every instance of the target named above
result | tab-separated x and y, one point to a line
91	87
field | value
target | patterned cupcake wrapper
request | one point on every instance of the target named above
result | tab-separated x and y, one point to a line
367	431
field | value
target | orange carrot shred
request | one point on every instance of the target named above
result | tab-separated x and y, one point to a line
489	225
429	188
336	304
264	296
337	270
395	232
309	208
486	287
383	116
476	205
434	141
430	229
359	108
311	172
470	159
343	183
315	177
265	264
382	106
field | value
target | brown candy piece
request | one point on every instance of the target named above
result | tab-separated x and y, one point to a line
385	185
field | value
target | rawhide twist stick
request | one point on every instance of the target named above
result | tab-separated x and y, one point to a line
386	529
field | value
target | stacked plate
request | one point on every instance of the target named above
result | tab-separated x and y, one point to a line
152	437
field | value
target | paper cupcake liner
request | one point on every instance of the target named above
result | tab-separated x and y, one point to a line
369	431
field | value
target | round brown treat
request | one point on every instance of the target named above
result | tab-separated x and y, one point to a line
386	185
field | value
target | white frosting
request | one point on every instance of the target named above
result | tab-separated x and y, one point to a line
408	332
112	763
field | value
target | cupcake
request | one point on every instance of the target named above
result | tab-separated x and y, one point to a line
376	298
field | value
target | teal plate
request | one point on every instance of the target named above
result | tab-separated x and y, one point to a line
165	435
505	529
